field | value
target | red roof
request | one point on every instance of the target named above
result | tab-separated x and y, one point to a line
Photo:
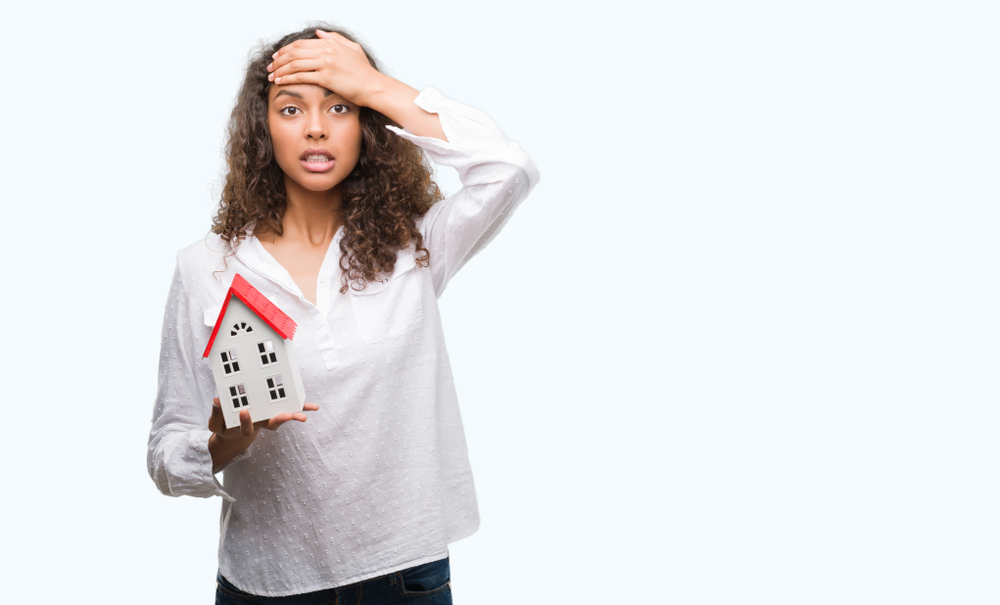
258	303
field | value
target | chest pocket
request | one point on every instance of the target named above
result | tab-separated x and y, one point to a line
389	309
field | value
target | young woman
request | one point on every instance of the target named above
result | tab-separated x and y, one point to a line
330	211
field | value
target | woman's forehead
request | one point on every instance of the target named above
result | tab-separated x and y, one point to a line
303	91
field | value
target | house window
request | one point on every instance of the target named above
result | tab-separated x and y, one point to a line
238	327
276	388
266	350
239	396
229	363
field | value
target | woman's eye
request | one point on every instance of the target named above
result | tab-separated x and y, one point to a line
288	111
340	108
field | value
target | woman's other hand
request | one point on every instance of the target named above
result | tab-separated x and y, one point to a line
225	444
332	61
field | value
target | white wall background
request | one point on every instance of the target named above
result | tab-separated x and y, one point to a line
739	346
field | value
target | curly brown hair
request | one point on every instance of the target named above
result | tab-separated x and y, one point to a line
382	197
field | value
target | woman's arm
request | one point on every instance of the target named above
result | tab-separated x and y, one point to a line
337	64
178	457
496	176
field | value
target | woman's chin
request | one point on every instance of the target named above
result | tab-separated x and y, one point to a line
316	182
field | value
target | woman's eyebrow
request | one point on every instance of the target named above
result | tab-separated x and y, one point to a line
298	96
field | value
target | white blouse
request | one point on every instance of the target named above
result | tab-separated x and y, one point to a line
378	479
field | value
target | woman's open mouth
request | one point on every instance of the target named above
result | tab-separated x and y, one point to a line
317	160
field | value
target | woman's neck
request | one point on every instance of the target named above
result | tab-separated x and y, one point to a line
311	217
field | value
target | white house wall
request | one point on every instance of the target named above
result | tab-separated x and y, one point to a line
252	374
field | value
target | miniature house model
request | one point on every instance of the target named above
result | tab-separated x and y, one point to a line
252	357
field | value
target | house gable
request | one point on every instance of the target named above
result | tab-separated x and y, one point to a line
282	324
240	336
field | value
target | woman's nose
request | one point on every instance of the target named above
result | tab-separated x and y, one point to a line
316	127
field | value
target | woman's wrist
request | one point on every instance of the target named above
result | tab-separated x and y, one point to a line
224	450
376	88
395	100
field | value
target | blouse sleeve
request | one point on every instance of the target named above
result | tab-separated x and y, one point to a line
178	458
495	174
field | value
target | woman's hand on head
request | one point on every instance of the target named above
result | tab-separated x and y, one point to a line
332	61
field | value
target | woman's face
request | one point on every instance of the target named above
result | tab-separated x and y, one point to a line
316	135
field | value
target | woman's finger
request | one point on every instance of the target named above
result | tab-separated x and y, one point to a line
296	66
277	421
292	55
272	424
337	37
295	47
304	43
246	425
216	423
333	45
302	77
284	60
305	54
331	36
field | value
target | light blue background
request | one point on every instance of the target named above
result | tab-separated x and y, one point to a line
739	346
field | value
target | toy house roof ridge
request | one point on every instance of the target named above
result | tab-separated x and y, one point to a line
284	325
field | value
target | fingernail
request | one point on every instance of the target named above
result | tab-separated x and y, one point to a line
275	55
269	66
277	80
270	77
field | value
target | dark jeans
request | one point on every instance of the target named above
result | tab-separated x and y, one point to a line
427	584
